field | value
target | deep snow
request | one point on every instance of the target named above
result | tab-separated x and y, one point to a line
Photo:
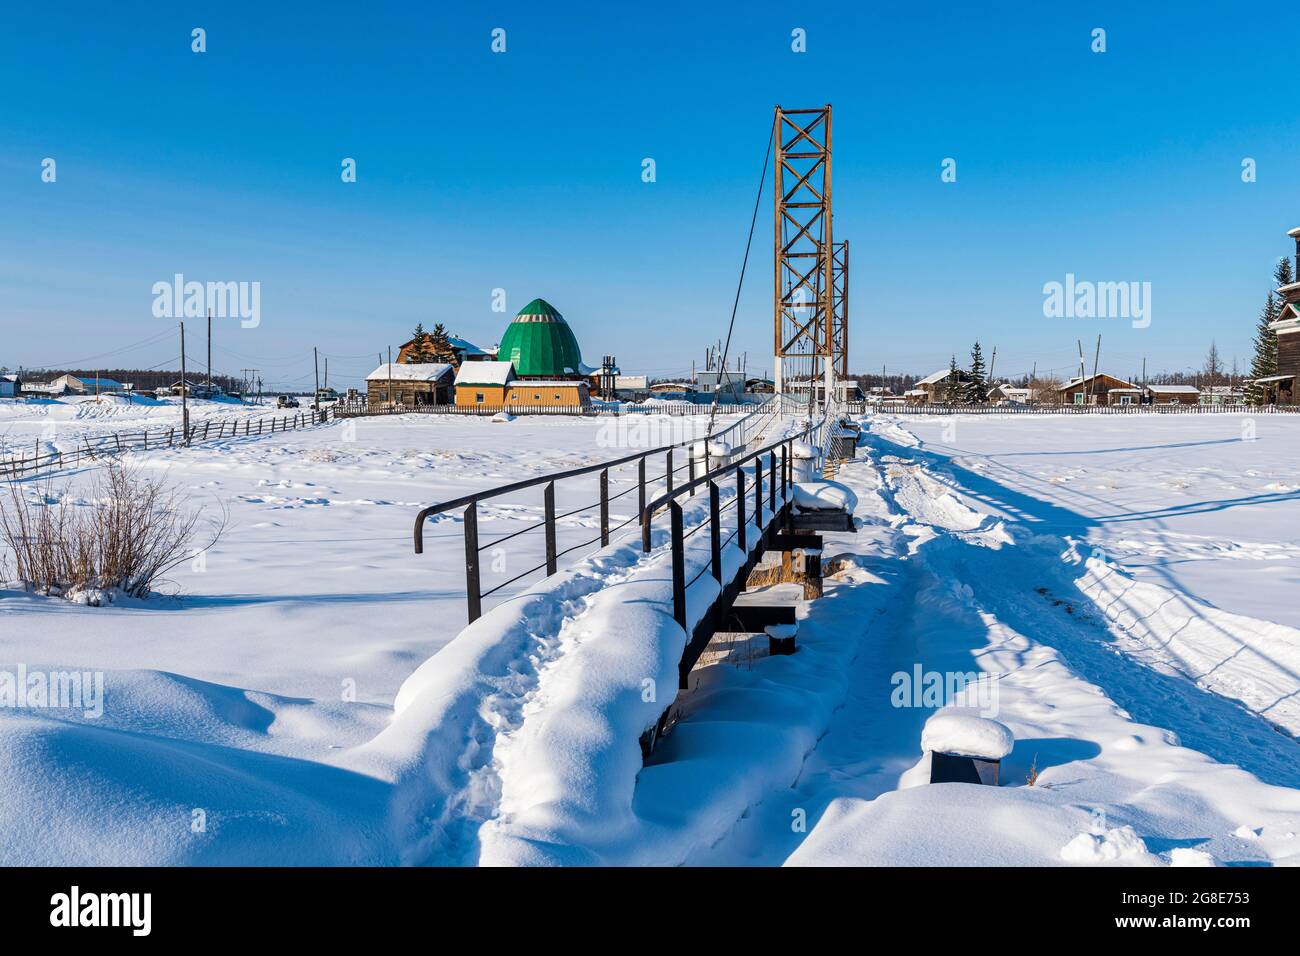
1120	586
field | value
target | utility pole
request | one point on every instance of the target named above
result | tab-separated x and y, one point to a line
315	361
992	364
390	376
1092	387
185	405
209	353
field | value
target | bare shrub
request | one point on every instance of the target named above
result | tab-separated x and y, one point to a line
130	532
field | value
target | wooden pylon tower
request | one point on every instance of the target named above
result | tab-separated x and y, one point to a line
804	341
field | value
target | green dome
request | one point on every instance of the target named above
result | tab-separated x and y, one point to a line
540	343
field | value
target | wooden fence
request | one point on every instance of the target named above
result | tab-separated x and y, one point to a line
585	411
863	408
115	443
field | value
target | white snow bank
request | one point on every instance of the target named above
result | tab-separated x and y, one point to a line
967	735
503	417
1120	845
1186	856
824	496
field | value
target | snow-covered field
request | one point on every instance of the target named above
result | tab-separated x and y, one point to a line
1121	583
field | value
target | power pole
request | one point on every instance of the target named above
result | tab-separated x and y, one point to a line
185	405
209	353
315	362
390	375
1092	388
992	363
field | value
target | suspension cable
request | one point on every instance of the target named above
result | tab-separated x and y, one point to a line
726	348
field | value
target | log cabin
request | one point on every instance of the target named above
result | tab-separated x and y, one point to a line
1281	389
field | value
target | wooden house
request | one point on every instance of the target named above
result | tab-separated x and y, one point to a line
462	351
1093	389
1174	394
494	385
934	388
1281	389
409	385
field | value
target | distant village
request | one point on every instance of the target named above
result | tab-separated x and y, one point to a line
538	365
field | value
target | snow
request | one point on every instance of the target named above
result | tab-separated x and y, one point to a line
1121	844
1117	593
485	373
966	735
824	496
503	417
409	372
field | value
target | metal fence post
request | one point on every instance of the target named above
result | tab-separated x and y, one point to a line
472	587
740	509
771	483
679	569
604	507
715	532
758	492
640	483
690	466
550	528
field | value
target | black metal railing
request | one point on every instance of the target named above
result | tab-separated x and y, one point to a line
780	475
645	478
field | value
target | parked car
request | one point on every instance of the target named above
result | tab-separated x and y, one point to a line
286	401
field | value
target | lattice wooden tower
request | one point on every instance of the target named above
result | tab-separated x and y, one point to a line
804	343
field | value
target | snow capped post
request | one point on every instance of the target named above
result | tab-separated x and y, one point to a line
964	748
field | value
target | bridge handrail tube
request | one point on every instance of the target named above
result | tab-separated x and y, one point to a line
465	500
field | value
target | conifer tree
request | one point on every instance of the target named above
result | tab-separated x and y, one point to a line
952	390
440	347
419	352
977	392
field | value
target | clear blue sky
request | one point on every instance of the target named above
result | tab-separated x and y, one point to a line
522	171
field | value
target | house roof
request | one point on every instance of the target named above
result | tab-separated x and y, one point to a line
1273	378
539	342
485	373
91	380
411	372
1175	389
1088	378
936	377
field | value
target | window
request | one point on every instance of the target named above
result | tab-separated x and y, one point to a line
1078	398
557	396
1126	400
536	397
478	397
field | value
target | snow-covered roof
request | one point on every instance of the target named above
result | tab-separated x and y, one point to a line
936	377
1175	389
914	391
1088	378
412	372
485	373
1294	232
1273	378
1135	391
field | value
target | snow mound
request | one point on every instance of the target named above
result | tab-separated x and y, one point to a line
967	736
1121	844
824	496
503	417
1186	856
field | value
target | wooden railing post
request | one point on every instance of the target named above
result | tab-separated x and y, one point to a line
604	507
771	483
758	492
679	566
473	596
549	497
670	470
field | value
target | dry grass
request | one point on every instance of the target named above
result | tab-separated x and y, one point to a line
1031	778
129	531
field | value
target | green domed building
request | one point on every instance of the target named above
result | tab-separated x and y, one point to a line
540	344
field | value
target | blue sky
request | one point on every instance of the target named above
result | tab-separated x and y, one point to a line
521	171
